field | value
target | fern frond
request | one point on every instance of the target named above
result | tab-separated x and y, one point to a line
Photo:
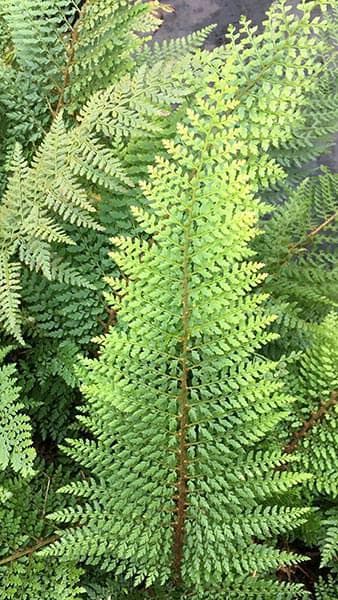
29	230
23	573
326	589
10	288
104	43
39	34
169	50
314	382
299	248
16	451
178	398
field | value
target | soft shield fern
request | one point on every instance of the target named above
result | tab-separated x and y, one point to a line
15	431
24	530
326	590
184	481
299	248
182	404
37	198
313	381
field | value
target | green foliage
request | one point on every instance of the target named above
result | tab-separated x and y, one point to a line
326	590
106	37
85	102
314	382
29	229
23	529
181	404
119	125
15	430
299	248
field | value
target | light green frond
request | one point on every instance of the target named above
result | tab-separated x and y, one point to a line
178	395
172	49
10	288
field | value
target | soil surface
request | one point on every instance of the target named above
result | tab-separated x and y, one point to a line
190	15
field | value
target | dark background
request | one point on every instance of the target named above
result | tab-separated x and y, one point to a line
190	15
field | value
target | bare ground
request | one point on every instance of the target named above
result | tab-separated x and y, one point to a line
190	15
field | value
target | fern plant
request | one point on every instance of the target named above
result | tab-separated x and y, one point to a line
326	590
182	404
299	247
313	440
15	431
39	65
89	101
24	531
125	142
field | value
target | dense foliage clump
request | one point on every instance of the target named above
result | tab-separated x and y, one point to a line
168	290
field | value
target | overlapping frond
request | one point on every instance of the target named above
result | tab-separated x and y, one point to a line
33	67
36	201
180	397
23	574
326	589
315	385
118	133
184	480
16	450
299	248
105	38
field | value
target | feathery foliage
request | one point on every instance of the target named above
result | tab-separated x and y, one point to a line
15	430
29	230
299	248
326	590
180	400
184	481
24	531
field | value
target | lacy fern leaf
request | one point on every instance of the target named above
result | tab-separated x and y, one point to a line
181	400
16	449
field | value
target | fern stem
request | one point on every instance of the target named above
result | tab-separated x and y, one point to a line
317	416
182	486
313	233
70	60
29	551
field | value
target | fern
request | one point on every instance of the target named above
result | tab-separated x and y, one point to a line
117	127
313	380
180	400
326	590
33	70
15	431
299	248
104	41
28	229
89	156
89	101
23	574
123	114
